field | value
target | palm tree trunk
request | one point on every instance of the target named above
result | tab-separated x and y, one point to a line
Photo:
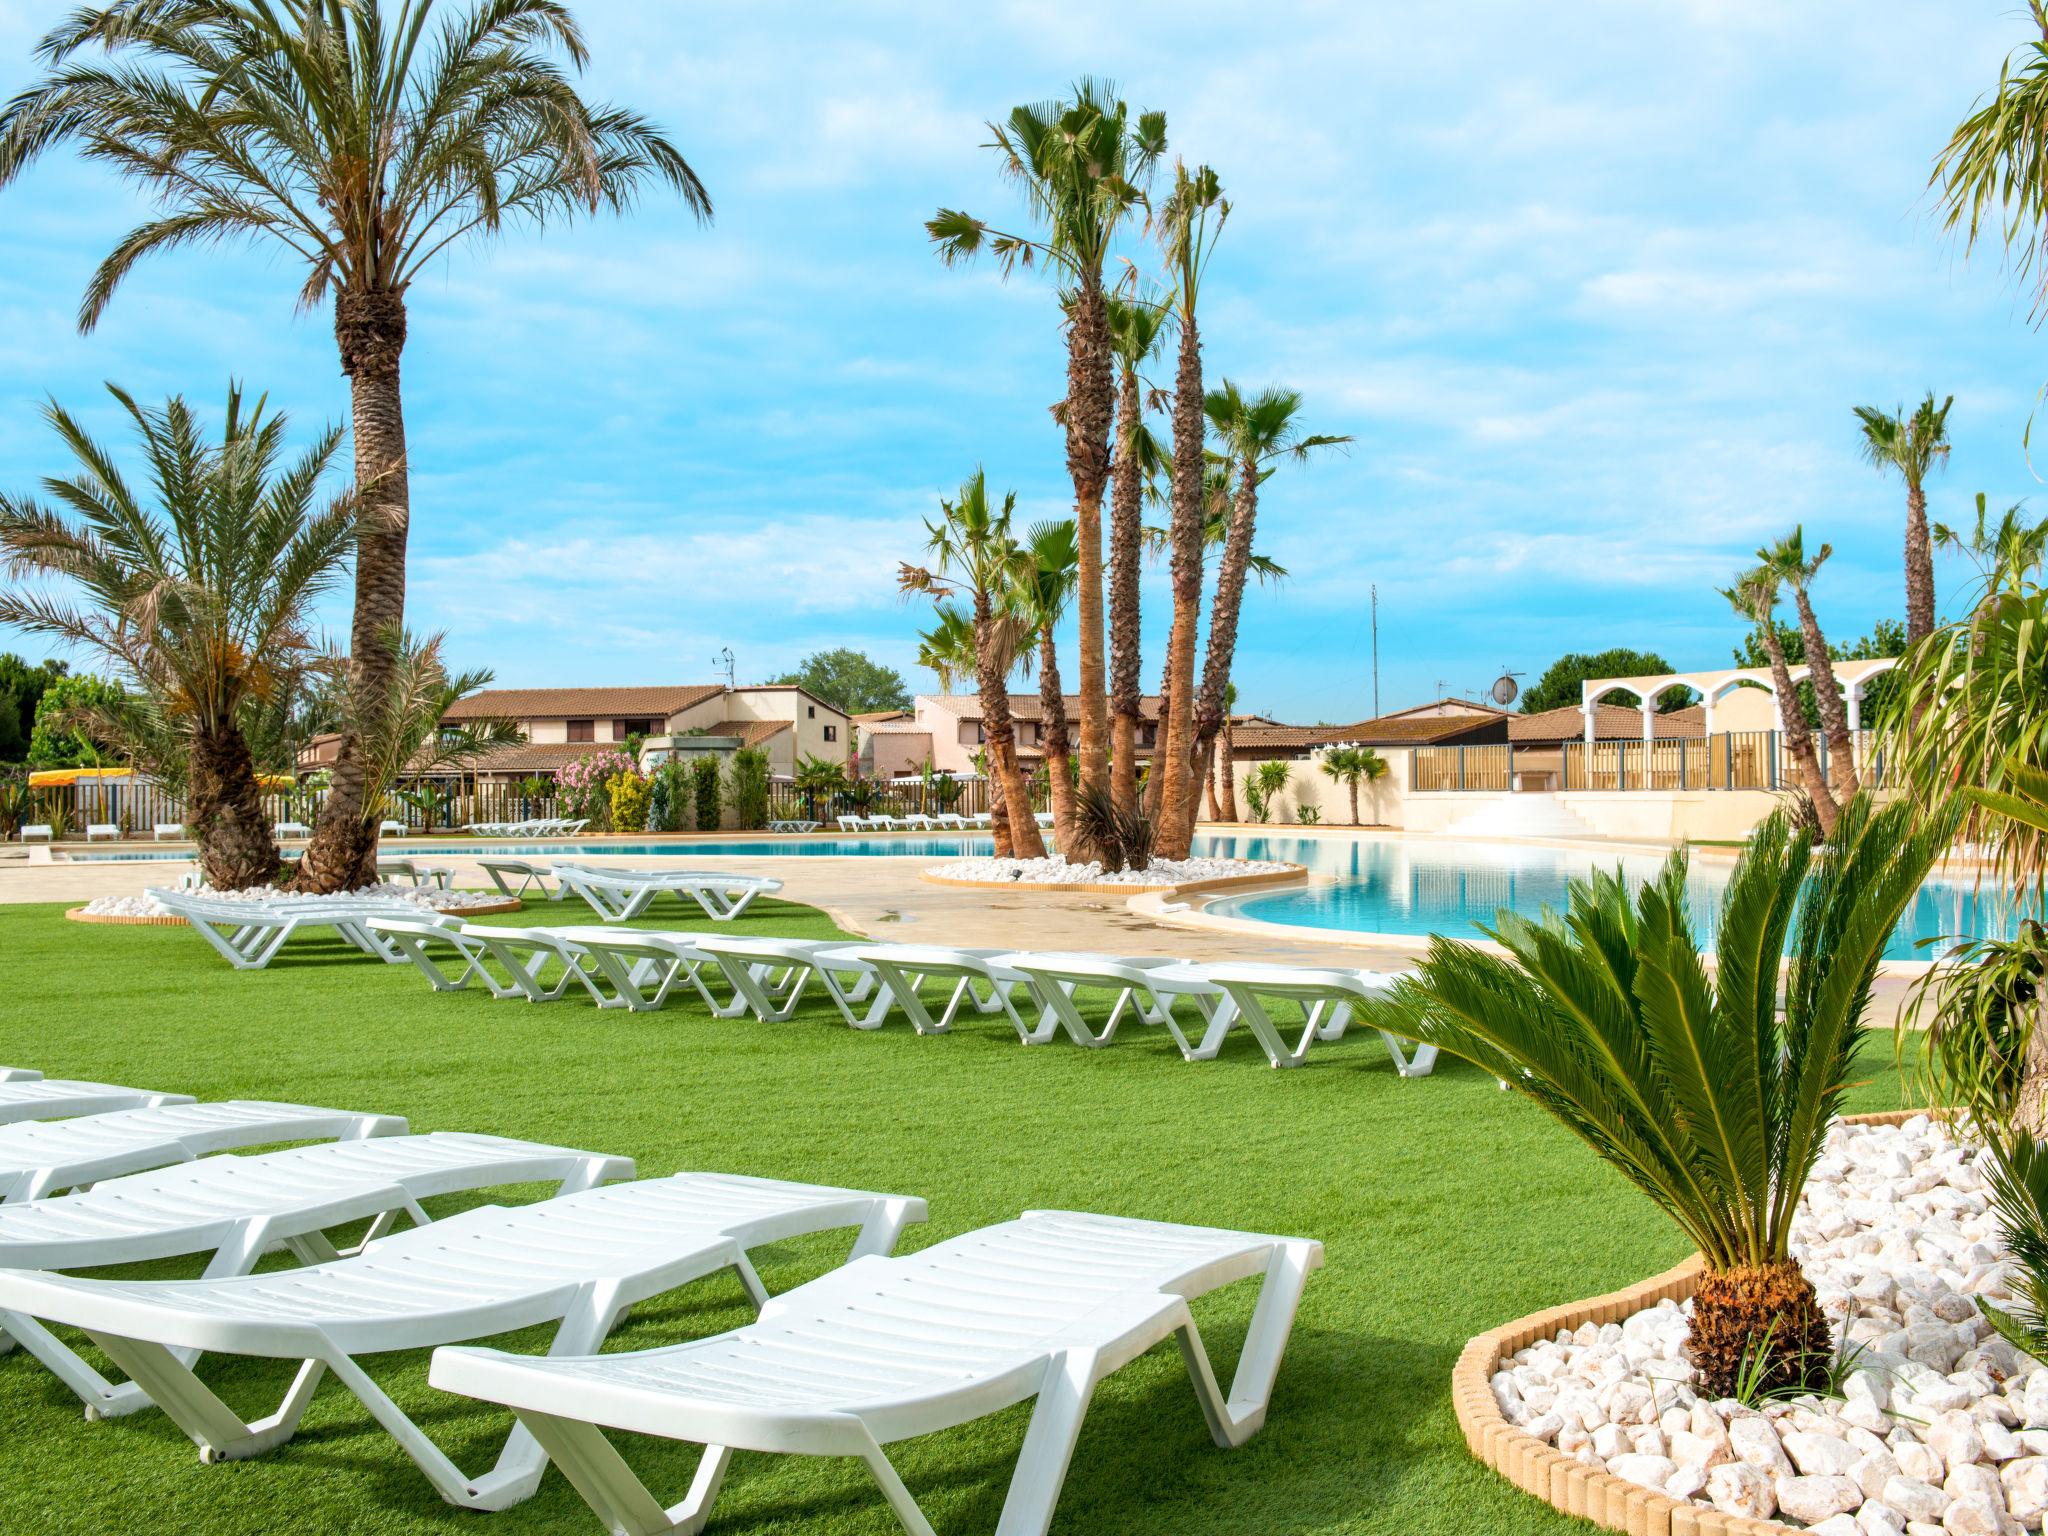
1798	735
2030	1111
1175	758
1351	783
1090	401
1155	776
369	327
1000	733
1126	532
1058	750
236	846
1827	693
1919	568
1226	770
1213	705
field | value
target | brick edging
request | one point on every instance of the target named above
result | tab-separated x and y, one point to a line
1562	1481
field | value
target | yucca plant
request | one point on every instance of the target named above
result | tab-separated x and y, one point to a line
1686	1077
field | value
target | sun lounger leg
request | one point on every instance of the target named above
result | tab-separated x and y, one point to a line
1235	1421
1048	1445
878	1234
1420	1064
620	1500
215	1428
899	1498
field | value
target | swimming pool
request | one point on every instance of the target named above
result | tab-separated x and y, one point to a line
1392	885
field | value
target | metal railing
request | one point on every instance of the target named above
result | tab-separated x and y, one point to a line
1728	760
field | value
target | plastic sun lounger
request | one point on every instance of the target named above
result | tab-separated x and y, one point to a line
1316	992
19	1075
437	875
952	821
620	895
164	829
531	876
852	823
982	821
643	968
798	825
292	829
391	829
236	1209
37	832
884	824
1055	977
57	1098
95	831
982	980
882	1350
579	1261
917	821
248	934
414	939
769	976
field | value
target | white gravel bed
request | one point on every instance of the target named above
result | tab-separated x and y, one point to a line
1943	1428
1057	871
419	895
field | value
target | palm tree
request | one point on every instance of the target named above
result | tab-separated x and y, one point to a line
947	648
974	554
1223	785
1913	445
1690	1082
1352	766
1255	432
1045	585
1136	328
1083	165
1755	597
2005	554
327	127
1787	561
197	594
817	776
1189	226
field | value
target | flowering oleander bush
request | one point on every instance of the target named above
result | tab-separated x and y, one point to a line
584	785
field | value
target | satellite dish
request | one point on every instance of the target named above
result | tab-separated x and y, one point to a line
1505	689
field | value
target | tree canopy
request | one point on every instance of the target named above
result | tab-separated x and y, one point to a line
21	689
1559	684
849	680
56	742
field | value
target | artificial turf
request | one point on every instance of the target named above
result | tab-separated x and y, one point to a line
1445	1206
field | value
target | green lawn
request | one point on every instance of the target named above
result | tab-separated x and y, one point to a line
1446	1207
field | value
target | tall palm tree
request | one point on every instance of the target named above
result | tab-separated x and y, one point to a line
947	648
1189	225
1694	1085
365	146
974	555
1255	432
2006	553
1913	445
1787	560
1083	164
1755	597
1136	329
197	594
1045	586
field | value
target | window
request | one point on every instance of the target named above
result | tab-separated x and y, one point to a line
621	729
583	730
811	713
831	733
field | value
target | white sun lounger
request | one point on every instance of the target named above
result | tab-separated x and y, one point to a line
883	1350
237	1209
531	876
580	1260
57	1098
19	1075
292	829
391	829
1325	997
248	934
436	875
37	832
415	939
1055	976
769	976
620	895
98	831
952	821
982	979
43	1156
981	821
917	821
884	823
642	967
853	823
164	829
798	825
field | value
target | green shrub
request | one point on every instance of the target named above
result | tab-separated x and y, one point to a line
628	793
750	787
704	787
668	802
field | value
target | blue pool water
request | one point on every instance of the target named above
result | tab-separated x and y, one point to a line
1394	886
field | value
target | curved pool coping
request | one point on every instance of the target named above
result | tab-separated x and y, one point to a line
1216	885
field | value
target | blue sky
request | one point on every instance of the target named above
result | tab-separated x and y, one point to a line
1594	287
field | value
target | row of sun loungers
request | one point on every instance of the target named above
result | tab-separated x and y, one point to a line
1285	1009
880	1350
539	826
917	821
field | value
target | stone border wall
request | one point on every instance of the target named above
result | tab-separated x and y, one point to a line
1292	873
1562	1481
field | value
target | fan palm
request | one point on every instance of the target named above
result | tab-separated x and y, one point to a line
2006	553
1352	766
1913	445
1083	164
1136	328
1755	597
1692	1084
1044	584
974	555
1255	432
947	648
364	145
1787	560
197	594
1189	224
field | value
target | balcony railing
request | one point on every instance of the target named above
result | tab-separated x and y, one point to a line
1728	760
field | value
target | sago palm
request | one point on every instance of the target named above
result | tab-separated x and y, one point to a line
364	138
1687	1080
1254	432
196	591
1083	165
975	556
1914	445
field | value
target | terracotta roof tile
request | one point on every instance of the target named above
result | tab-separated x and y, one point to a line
578	703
